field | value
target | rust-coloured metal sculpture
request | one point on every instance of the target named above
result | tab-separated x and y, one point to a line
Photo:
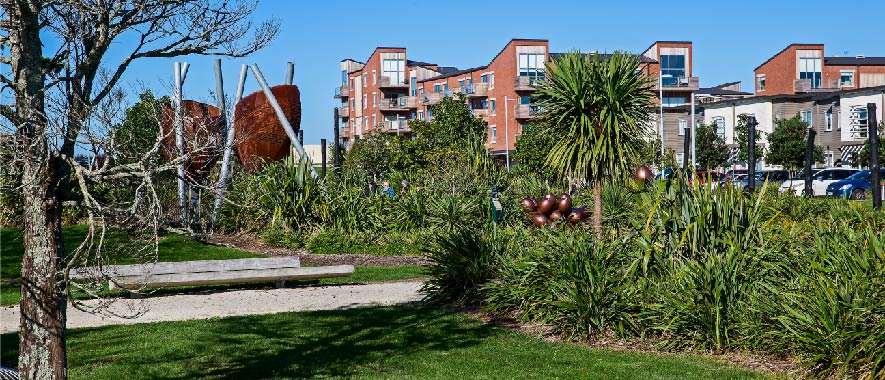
259	134
202	125
553	208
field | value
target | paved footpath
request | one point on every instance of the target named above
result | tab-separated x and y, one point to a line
237	302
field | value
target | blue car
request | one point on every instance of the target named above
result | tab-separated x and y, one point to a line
855	187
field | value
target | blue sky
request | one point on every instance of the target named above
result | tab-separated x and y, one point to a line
730	38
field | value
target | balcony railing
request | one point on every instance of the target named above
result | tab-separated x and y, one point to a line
395	126
481	112
477	90
680	84
805	85
345	131
342	92
344	110
526	111
387	82
401	103
525	83
431	98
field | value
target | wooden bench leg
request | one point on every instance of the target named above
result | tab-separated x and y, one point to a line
280	284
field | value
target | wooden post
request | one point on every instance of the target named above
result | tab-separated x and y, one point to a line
875	178
323	157
686	149
336	159
809	155
751	153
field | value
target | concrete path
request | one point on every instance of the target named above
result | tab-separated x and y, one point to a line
236	302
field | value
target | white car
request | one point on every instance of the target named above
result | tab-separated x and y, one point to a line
819	181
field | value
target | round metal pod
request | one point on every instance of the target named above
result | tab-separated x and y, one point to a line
643	173
549	196
546	206
555	215
574	217
540	219
565	203
529	204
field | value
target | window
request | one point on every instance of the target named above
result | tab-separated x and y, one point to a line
461	83
806	117
374	99
394	69
674	66
484	104
492	107
365	101
829	121
420	115
525	99
365	79
351	83
531	65
374	77
343	77
436	88
445	87
846	78
484	78
829	160
682	126
351	104
413	84
374	121
412	115
491	81
809	68
673	101
779	115
719	122
760	82
494	133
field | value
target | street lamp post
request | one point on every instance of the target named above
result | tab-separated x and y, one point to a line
661	98
506	132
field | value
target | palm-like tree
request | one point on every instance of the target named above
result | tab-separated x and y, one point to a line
600	110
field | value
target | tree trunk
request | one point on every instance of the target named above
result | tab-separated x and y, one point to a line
42	346
597	209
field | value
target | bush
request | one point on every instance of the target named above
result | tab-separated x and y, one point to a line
463	261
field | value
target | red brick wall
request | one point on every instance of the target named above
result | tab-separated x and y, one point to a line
835	72
780	71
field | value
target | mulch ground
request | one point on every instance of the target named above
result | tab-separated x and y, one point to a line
253	244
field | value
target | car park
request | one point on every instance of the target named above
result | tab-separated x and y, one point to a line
772	177
820	180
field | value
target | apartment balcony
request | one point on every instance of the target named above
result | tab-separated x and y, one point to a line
342	92
481	112
344	132
526	111
394	127
399	104
524	84
477	90
344	111
690	84
388	83
431	98
804	86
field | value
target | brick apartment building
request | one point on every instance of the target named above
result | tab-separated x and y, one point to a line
803	68
388	90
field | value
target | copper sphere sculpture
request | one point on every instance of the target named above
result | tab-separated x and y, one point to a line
553	208
565	203
529	204
643	173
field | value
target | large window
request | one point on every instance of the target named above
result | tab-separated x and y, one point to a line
682	126
674	66
344	77
673	101
809	68
531	65
492	107
395	70
719	122
760	82
494	137
846	78
829	121
413	84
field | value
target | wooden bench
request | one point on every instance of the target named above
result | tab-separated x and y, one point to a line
210	272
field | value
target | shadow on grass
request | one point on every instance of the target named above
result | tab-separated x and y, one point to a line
339	343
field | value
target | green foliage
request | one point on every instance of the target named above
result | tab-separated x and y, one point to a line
532	148
598	110
787	143
710	148
742	136
140	129
377	155
864	155
462	263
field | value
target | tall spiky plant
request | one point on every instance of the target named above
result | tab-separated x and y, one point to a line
600	111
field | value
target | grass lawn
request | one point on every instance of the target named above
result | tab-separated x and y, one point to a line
409	342
171	248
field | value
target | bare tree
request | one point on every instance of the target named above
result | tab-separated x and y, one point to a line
46	135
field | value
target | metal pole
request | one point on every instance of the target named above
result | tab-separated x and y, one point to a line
179	142
290	73
875	179
323	156
809	150
661	98
335	158
229	140
751	153
694	163
301	137
281	116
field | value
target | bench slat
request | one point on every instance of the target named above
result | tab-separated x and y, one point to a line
197	266
230	277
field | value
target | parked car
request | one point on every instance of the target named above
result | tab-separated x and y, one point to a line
773	177
855	187
711	177
819	181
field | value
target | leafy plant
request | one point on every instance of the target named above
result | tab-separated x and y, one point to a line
463	262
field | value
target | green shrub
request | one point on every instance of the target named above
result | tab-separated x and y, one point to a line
463	261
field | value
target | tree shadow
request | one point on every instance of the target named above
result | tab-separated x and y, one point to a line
322	344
